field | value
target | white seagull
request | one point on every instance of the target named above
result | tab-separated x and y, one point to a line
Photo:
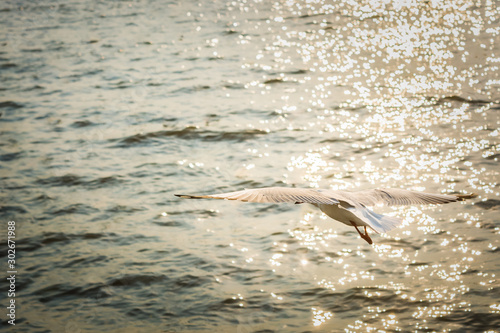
347	207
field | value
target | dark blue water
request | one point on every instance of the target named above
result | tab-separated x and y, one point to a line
107	109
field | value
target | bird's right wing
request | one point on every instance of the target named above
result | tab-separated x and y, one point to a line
271	195
396	197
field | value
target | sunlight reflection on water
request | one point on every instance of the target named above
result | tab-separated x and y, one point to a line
403	67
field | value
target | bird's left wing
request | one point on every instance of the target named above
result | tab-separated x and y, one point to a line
271	195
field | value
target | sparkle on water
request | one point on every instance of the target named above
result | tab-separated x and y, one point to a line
402	67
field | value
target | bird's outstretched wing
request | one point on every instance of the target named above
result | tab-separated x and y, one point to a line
395	197
271	195
387	196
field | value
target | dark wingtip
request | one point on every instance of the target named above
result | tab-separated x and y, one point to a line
462	197
184	196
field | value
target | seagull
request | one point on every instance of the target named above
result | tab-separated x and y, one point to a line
346	207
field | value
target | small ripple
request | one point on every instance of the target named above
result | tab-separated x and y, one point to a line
10	105
11	156
472	321
234	85
274	81
188	133
139	313
229	32
33	243
488	204
61	291
400	243
124	209
36	50
494	157
12	210
137	279
129	240
190	90
190	260
75	180
105	182
454	98
170	224
73	209
42	198
8	65
35	87
202	212
298	72
85	74
189	281
87	261
82	123
66	180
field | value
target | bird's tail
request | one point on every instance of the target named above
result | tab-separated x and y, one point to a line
381	223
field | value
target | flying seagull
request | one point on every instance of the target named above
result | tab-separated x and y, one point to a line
347	207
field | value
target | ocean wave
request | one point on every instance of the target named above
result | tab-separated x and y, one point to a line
188	133
76	180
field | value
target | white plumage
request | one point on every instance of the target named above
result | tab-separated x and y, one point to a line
347	207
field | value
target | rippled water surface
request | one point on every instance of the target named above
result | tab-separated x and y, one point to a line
109	108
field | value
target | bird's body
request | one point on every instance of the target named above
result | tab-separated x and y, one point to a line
346	207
